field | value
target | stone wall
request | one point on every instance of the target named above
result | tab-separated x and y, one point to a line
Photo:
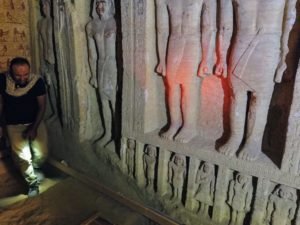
209	145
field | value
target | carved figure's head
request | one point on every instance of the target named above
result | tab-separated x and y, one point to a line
131	143
179	160
287	193
207	168
103	9
242	179
151	150
46	7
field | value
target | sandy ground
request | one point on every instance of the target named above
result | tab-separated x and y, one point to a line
63	201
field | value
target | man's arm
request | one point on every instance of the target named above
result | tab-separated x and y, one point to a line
225	30
31	132
289	18
208	30
41	55
92	56
1	116
162	22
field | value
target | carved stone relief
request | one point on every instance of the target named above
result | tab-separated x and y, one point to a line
130	157
101	35
239	198
183	52
206	187
182	59
149	162
176	176
281	206
47	57
63	26
257	37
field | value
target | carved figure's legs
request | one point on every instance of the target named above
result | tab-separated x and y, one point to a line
52	89
189	107
258	113
173	104
237	120
233	220
240	218
108	110
203	210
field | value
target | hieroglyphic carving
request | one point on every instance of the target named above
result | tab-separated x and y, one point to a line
176	176
14	31
149	160
206	188
239	198
257	53
185	41
281	206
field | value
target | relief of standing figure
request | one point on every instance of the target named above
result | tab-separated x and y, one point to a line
257	60
281	206
149	162
176	176
186	37
239	198
130	154
206	188
47	57
101	35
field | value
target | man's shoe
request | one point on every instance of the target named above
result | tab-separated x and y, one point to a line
33	191
39	175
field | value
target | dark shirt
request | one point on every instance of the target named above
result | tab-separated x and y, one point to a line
22	109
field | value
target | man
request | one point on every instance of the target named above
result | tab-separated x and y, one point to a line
185	36
22	107
101	35
257	57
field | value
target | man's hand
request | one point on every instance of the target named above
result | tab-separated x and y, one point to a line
221	69
93	82
279	71
1	132
204	69
161	69
30	133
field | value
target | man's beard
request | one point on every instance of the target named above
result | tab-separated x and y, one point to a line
21	85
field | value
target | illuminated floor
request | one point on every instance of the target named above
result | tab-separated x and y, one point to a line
47	183
63	201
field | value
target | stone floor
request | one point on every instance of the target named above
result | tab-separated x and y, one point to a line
63	201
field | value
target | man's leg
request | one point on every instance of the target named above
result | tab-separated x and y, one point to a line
21	153
108	117
39	146
257	122
173	104
190	110
238	112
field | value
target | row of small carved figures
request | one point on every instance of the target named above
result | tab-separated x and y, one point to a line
281	205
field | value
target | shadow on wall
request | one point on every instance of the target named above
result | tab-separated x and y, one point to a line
277	123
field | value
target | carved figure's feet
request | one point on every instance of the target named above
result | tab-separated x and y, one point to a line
170	133
229	148
250	151
104	141
185	135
